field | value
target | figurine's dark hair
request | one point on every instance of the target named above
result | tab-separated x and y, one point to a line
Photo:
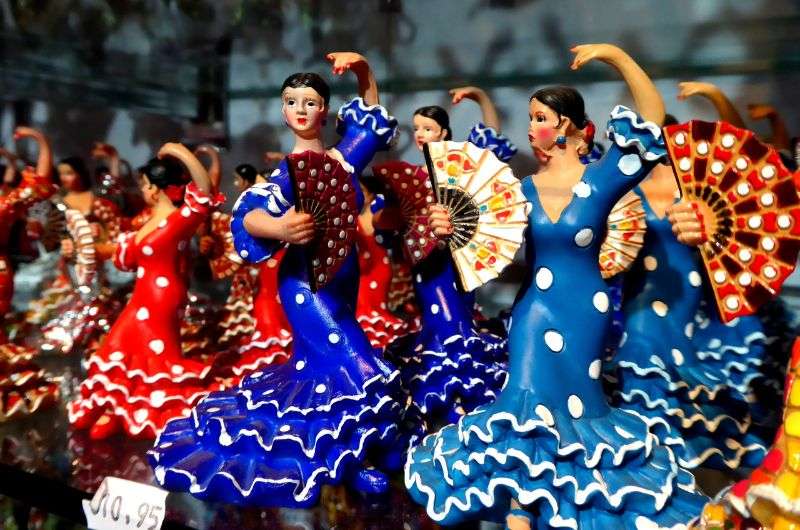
247	173
79	167
439	115
565	101
669	119
310	80
163	173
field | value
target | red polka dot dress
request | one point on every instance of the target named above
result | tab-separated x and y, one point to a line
138	375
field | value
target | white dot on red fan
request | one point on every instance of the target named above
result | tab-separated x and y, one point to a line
373	284
720	276
745	279
768	172
767	199
745	255
157	346
741	163
743	188
770	272
435	309
650	263
575	406
140	272
695	280
147	250
544	278
680	138
767	243
784	221
728	140
162	281
142	314
660	308
717	167
116	356
755	222
684	164
732	303
177	369
185	211
702	148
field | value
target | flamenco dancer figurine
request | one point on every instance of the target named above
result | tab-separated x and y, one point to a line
315	420
663	366
253	323
449	367
137	379
550	446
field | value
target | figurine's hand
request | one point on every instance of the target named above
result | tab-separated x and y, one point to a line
344	61
297	228
67	248
104	150
761	111
688	89
687	223
206	245
270	157
585	53
439	221
469	92
27	132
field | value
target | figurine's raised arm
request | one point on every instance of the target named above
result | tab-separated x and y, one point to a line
781	139
106	151
727	112
478	95
44	163
357	63
214	170
647	98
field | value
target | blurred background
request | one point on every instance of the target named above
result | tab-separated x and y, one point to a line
136	73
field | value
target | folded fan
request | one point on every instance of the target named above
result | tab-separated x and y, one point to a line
750	208
324	189
625	229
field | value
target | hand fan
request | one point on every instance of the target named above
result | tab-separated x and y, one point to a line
324	189
750	207
80	231
412	187
487	208
625	231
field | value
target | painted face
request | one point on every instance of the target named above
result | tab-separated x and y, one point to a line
304	110
69	179
427	130
543	129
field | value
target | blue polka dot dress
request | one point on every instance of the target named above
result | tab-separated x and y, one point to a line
287	430
663	369
551	441
450	366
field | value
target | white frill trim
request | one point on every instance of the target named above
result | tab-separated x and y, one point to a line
347	110
620	112
107	366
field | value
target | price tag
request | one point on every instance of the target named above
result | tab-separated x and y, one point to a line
121	504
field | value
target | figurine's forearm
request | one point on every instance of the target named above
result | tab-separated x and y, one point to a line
727	112
646	96
259	223
367	85
488	110
44	163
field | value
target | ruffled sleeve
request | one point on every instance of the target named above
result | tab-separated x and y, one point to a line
197	206
636	147
274	197
489	138
365	130
125	255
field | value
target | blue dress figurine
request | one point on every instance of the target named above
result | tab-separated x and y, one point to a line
551	446
665	369
288	430
450	366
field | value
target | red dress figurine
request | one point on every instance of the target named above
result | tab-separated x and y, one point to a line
138	379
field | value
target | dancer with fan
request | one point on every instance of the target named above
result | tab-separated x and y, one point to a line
289	429
550	446
450	366
138	379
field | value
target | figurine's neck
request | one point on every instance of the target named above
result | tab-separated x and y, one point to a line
560	161
308	144
163	206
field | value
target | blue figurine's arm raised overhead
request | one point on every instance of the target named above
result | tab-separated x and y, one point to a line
275	197
365	130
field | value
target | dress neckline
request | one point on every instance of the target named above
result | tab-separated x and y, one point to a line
538	200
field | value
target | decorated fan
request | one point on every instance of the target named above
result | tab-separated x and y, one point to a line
412	186
750	208
85	260
625	229
324	189
486	204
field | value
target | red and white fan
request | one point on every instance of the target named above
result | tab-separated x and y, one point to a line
625	230
487	208
750	208
80	231
324	189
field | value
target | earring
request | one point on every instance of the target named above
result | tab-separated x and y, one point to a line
561	140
